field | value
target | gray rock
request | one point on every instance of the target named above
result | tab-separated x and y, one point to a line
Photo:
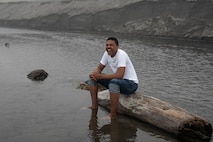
38	75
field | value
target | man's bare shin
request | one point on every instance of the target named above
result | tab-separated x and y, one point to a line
94	98
114	99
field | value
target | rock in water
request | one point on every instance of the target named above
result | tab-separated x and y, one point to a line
38	75
7	44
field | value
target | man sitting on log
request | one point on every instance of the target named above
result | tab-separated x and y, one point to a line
123	80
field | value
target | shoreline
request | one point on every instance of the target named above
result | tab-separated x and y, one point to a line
155	39
179	20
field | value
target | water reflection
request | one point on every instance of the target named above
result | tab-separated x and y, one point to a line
93	126
124	129
115	131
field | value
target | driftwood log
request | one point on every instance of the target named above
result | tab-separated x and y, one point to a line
159	113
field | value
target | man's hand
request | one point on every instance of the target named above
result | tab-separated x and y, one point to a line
95	76
92	77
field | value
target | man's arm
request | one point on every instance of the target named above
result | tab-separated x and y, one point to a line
118	75
98	70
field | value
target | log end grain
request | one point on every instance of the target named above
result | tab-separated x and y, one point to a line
196	128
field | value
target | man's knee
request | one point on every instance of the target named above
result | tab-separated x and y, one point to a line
92	82
114	86
115	81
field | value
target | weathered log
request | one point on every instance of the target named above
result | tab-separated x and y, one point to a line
156	112
161	114
38	75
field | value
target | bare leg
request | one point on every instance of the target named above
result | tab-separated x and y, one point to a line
94	96
114	99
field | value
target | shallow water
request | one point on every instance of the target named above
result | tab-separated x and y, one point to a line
178	72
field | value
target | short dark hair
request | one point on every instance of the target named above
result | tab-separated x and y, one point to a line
114	39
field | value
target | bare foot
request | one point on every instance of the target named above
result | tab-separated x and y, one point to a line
93	107
84	108
112	116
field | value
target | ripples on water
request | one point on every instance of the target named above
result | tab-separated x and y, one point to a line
177	72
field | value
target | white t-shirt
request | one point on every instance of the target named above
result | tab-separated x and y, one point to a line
121	59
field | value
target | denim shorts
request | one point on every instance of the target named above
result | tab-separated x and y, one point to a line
123	86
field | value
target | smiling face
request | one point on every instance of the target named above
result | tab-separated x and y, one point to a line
111	47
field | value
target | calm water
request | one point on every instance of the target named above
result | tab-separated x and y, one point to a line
178	72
